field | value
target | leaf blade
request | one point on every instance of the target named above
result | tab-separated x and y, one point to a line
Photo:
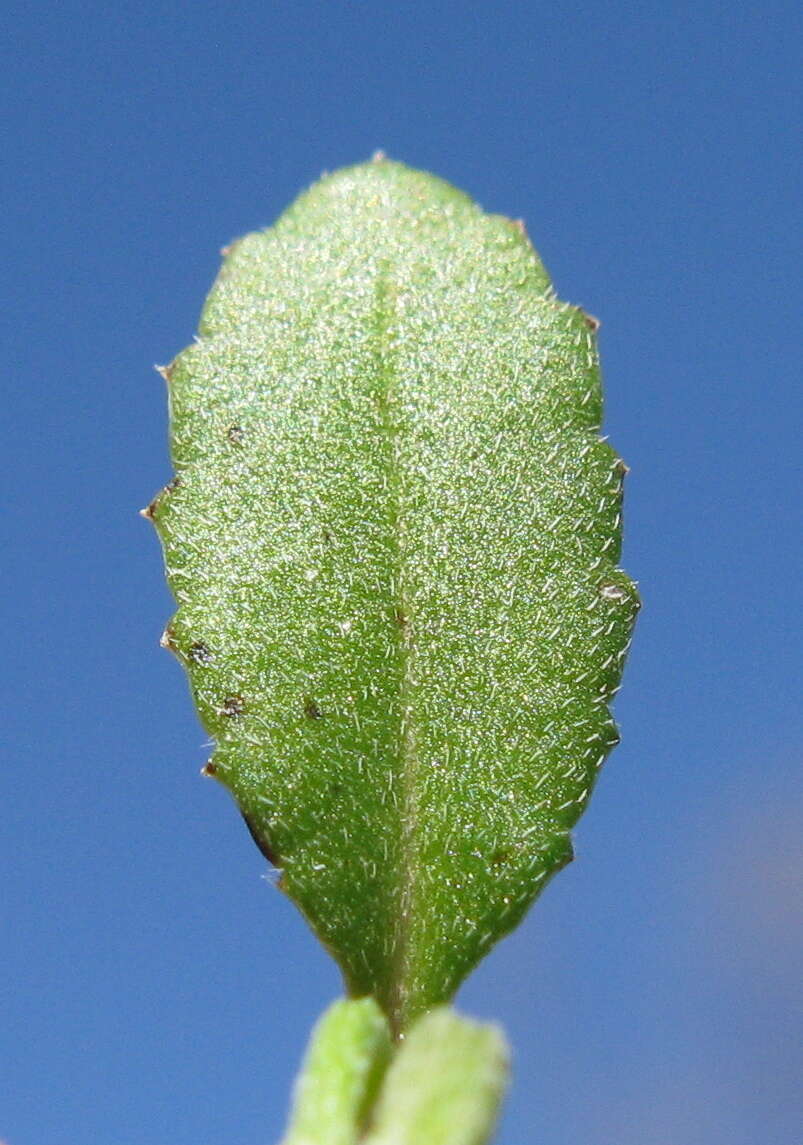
393	544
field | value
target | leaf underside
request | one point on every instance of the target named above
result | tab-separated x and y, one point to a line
392	537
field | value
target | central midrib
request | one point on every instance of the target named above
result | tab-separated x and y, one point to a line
405	762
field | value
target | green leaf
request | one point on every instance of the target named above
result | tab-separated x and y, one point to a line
348	1054
393	536
444	1086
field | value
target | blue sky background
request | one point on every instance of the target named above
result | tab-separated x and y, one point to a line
155	987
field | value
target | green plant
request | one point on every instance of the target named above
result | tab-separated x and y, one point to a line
392	536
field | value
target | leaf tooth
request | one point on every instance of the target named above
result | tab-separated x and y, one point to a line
165	372
590	320
520	226
168	638
151	510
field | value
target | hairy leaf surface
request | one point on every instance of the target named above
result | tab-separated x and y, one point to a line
393	536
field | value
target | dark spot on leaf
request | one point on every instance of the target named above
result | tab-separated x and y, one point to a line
235	434
311	710
400	616
261	840
200	653
501	856
233	706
